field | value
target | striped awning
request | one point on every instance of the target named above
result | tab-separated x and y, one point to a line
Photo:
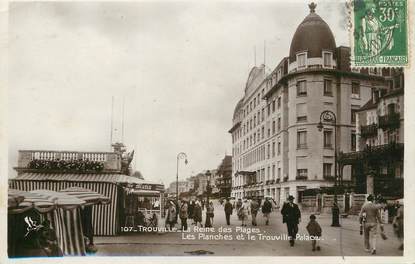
15	197
90	197
105	217
62	200
31	200
78	177
43	201
146	192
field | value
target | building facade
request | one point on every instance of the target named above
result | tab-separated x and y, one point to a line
183	187
377	162
224	179
278	149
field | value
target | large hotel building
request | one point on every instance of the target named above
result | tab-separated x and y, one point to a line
278	149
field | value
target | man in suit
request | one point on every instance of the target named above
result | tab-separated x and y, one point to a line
291	215
370	217
266	209
228	211
254	210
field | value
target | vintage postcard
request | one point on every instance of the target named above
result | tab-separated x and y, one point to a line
198	129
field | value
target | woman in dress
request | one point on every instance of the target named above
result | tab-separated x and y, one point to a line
245	212
197	214
210	212
171	215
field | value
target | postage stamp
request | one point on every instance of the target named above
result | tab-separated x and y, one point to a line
379	33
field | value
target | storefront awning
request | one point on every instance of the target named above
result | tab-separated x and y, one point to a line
90	197
114	178
41	200
146	193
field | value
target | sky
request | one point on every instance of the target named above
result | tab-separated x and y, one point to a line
179	67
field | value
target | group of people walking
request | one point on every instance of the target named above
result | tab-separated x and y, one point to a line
371	222
187	210
370	218
245	208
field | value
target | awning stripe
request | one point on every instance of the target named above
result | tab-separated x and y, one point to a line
112	178
103	216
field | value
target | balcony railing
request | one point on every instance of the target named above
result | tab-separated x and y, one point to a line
285	178
390	121
301	177
328	177
110	160
369	131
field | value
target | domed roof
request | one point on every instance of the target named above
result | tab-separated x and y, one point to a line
312	35
237	108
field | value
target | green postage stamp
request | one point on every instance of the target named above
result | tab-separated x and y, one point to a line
379	33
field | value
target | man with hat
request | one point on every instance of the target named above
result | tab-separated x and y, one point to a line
291	215
370	218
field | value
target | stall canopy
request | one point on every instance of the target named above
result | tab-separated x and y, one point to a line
61	210
90	197
15	197
106	219
41	200
145	192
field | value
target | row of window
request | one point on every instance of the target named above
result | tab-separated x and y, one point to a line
274	172
302	173
302	59
264	174
259	135
261	153
259	117
327	88
328	140
274	148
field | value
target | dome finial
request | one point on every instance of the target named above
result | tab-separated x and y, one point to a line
312	7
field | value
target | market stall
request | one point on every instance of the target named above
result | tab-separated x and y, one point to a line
143	206
90	198
44	223
107	219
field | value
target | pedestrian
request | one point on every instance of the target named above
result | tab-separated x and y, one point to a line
190	210
398	225
291	215
244	212
184	215
228	211
238	207
266	209
254	211
210	211
171	215
370	217
156	205
197	214
314	230
335	211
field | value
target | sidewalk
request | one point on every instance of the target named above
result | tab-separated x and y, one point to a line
335	241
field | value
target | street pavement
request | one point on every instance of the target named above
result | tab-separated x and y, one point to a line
336	241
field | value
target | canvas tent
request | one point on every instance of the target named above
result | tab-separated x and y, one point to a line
107	219
28	210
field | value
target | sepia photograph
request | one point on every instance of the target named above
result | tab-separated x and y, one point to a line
206	129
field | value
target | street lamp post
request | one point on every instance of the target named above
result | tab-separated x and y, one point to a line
181	155
208	189
330	117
